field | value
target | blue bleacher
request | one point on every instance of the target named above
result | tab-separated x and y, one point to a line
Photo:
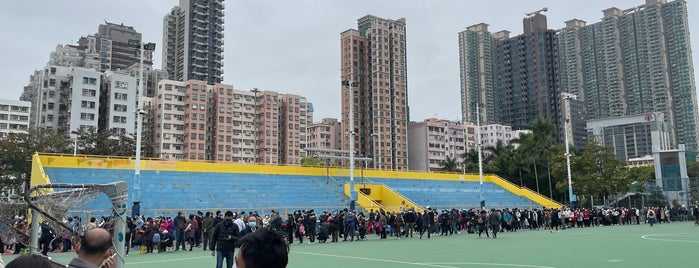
169	191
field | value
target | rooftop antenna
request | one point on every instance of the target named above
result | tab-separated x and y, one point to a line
537	12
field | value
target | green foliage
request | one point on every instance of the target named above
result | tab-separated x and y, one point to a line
449	165
17	150
105	142
312	162
597	172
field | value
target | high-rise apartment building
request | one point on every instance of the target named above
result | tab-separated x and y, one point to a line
111	45
117	103
511	79
477	60
197	121
64	98
193	41
634	62
373	57
14	117
293	127
433	140
326	134
169	114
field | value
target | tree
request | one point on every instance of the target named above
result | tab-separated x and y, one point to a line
16	153
595	172
105	142
312	162
449	165
540	145
470	161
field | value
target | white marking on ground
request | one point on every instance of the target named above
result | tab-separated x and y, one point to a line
441	265
169	260
651	237
494	264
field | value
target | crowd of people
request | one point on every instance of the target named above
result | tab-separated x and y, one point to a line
161	233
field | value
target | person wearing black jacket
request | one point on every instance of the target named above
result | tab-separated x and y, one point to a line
180	224
410	219
290	227
223	241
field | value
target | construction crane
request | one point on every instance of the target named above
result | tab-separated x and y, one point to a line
537	12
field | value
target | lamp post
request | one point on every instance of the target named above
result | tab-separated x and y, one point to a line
254	120
136	208
374	137
353	193
481	195
571	197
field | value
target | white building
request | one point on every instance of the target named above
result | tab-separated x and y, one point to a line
120	102
632	136
14	117
169	121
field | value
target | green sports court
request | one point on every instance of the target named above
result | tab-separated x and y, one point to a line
664	245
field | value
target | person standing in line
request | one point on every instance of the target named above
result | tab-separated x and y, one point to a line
494	220
651	216
481	223
312	224
555	221
410	219
420	223
223	240
197	232
251	227
290	227
207	227
180	224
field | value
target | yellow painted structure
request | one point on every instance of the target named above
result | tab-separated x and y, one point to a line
101	162
381	196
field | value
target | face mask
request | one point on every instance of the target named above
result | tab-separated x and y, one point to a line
252	224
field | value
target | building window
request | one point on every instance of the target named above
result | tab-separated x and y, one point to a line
89	92
87	116
89	80
121	84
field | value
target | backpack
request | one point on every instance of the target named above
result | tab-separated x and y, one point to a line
156	238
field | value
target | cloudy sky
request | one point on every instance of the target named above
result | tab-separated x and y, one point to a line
293	46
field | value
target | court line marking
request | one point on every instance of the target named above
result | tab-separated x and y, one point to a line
169	260
442	265
650	237
494	264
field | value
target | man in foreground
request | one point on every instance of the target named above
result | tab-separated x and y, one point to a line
94	250
223	241
264	248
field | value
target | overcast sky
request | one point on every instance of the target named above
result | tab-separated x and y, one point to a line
293	46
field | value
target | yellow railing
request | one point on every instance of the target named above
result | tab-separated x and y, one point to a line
390	200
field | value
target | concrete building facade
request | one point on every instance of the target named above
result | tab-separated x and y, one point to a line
117	103
374	57
433	140
632	136
326	134
193	41
14	117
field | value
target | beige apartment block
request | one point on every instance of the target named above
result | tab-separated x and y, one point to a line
170	110
374	57
433	140
326	134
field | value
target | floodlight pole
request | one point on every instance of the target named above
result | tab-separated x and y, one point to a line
136	208
353	193
481	195
571	197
